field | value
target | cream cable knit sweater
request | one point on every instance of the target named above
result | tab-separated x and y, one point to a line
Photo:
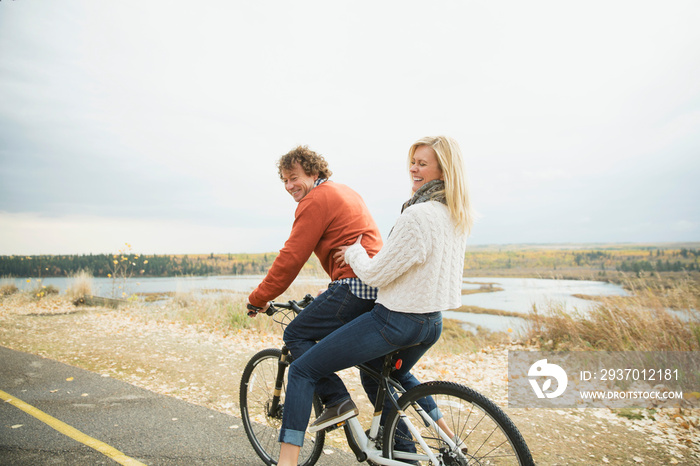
420	267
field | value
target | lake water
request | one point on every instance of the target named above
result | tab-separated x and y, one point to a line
521	294
103	286
518	295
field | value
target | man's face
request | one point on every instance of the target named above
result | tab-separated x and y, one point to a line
297	183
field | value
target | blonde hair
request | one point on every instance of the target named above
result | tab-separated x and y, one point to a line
449	158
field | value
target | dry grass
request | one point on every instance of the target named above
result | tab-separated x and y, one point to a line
224	312
81	285
36	291
658	316
456	340
32	291
8	289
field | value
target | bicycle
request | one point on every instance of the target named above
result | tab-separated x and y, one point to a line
483	432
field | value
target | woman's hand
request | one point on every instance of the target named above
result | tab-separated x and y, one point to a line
340	255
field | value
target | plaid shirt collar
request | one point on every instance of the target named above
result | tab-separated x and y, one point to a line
319	181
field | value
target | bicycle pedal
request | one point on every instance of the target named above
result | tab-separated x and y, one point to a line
334	427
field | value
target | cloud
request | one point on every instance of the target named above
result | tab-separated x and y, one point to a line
27	233
686	226
171	115
547	174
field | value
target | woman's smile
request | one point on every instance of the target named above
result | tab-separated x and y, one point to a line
424	167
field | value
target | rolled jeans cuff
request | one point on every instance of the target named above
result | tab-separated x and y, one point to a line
435	414
293	437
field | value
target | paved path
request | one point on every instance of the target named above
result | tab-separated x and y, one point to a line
82	418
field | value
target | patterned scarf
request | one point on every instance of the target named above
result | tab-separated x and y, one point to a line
431	191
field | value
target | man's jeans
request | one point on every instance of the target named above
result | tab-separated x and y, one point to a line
331	310
366	338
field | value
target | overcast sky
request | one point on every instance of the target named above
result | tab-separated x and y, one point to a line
158	123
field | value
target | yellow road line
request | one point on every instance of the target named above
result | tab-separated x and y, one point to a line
71	432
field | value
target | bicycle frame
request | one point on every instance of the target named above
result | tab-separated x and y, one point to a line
363	445
364	449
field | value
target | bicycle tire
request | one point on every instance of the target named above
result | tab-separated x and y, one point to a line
256	392
487	434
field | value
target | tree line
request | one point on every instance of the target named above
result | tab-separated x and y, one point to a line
622	258
658	266
105	265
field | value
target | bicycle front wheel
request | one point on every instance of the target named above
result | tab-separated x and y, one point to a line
262	418
485	433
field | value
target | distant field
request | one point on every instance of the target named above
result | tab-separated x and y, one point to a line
581	261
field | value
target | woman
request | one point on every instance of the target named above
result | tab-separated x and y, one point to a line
419	274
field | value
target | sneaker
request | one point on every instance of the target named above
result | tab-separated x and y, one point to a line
333	415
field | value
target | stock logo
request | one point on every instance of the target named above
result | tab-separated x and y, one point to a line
543	369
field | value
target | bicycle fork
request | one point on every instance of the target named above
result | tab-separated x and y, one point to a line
275	409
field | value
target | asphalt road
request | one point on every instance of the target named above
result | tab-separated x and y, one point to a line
145	427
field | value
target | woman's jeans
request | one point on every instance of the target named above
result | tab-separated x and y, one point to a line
368	337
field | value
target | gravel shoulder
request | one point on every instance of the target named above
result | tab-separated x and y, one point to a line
203	366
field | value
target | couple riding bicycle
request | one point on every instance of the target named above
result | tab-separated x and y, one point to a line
383	297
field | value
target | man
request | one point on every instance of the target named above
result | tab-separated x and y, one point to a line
328	215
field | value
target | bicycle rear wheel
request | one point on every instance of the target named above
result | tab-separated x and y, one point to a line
260	423
486	434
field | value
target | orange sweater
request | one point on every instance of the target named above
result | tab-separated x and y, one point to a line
331	215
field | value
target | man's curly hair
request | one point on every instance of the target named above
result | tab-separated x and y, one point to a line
311	162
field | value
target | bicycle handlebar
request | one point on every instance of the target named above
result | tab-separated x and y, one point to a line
296	306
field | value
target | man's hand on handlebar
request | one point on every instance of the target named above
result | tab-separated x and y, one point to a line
255	310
